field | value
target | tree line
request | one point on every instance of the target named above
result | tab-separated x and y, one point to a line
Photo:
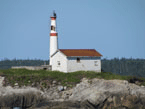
6	63
121	66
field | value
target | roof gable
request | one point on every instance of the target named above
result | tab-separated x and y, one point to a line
80	52
56	52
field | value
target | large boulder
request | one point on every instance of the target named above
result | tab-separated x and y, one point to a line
102	93
10	97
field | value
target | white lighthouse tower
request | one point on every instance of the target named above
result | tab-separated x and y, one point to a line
53	37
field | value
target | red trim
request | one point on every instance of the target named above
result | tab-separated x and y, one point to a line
53	18
53	34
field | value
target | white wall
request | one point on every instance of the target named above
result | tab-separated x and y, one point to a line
63	62
53	23
85	64
53	46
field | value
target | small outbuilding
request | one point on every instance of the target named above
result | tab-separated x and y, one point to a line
71	60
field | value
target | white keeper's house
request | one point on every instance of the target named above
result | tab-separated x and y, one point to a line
71	60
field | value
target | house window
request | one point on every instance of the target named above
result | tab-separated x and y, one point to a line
78	60
58	63
96	63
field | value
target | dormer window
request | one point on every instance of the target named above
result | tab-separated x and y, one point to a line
78	60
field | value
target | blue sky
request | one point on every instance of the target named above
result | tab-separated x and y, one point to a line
115	28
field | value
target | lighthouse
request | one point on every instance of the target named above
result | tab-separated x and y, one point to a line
53	37
71	60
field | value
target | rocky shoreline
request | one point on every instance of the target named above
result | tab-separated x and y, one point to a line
88	94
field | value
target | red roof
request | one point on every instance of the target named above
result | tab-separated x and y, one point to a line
80	52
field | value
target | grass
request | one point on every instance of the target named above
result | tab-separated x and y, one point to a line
27	77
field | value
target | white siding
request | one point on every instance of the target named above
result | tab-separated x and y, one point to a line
63	62
85	64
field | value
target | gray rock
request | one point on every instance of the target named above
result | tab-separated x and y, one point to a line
24	87
65	87
53	82
66	94
33	84
16	87
60	88
1	81
11	97
100	90
16	84
110	99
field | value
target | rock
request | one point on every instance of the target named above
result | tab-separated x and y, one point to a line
60	88
114	101
110	99
121	102
45	89
130	101
1	81
84	89
24	87
16	84
65	87
53	82
137	83
16	87
62	105
33	84
59	83
84	80
37	85
136	90
99	92
9	88
67	94
97	98
19	97
142	86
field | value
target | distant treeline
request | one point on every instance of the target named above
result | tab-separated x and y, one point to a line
6	63
122	66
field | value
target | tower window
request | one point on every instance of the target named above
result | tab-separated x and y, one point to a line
78	60
52	28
